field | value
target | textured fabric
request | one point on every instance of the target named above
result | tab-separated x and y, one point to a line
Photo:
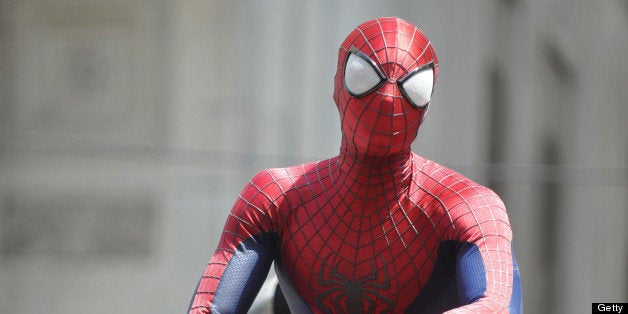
456	279
516	303
376	229
250	264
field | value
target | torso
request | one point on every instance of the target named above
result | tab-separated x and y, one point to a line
364	252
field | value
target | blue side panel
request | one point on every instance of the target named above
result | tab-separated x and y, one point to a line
244	275
516	304
294	300
471	274
458	277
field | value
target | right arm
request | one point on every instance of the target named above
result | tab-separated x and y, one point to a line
245	252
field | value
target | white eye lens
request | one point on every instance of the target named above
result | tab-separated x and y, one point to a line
360	75
418	87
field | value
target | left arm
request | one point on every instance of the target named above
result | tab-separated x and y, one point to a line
487	273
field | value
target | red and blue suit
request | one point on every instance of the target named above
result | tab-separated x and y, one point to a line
376	229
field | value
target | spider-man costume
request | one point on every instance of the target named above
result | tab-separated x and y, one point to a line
378	228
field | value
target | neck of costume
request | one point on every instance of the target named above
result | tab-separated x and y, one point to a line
372	177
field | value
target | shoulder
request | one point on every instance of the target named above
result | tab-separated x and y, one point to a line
274	183
448	183
263	202
472	207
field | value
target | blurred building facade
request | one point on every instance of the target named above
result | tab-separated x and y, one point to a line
127	129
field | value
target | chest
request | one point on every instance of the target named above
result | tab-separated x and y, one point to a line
360	256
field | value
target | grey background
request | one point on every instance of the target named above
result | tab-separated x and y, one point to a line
127	129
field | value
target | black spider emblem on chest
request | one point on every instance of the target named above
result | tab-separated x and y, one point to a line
358	295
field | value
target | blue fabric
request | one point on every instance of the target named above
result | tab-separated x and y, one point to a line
455	284
516	304
458	277
470	274
244	275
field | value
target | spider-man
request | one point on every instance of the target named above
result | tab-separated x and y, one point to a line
377	228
